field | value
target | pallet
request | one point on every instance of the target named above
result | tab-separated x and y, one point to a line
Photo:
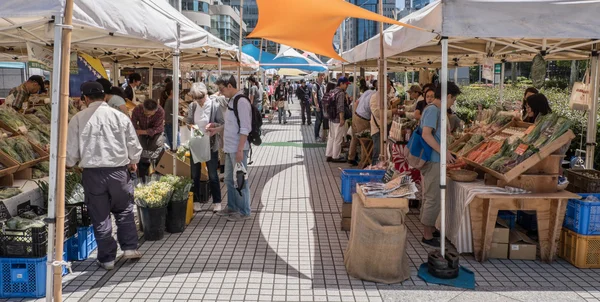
529	163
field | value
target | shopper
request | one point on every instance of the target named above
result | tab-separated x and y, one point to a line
430	127
376	121
135	80
113	96
337	123
303	93
206	114
107	158
528	92
255	95
148	120
236	148
429	92
361	121
318	92
280	99
19	96
168	96
352	90
537	106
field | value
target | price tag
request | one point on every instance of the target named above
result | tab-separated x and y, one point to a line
529	129
521	149
22	129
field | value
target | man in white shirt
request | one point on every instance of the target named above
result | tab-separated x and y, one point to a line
103	141
361	121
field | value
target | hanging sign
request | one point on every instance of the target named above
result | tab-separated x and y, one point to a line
42	57
488	69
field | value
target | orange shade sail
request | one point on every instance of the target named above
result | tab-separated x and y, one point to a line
309	24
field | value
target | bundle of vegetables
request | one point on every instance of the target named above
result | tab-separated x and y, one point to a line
37	173
74	192
21	224
33	119
541	126
492	148
476	152
560	126
19	149
9	192
457	165
182	152
11	118
181	186
458	147
43	114
38	137
474	141
153	195
43	166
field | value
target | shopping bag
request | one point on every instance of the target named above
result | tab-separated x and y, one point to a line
580	96
200	148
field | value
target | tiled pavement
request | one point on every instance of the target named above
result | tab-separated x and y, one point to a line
292	249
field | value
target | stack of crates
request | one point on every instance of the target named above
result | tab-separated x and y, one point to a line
23	259
580	237
84	242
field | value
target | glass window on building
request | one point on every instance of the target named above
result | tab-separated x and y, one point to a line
194	5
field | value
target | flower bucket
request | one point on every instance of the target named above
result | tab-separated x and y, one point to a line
153	220
176	213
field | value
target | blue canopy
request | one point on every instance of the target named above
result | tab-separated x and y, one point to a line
268	61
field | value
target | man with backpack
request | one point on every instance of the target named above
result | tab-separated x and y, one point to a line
237	134
335	105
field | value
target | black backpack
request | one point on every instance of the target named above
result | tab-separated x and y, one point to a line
257	121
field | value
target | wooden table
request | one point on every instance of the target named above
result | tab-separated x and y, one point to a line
550	208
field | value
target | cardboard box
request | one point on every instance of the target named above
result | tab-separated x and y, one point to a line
165	165
499	251
501	232
521	247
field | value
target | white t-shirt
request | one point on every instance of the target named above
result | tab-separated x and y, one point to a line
116	102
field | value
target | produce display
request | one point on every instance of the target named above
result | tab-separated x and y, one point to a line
461	149
156	194
491	125
23	222
11	118
9	192
74	192
181	186
19	149
502	157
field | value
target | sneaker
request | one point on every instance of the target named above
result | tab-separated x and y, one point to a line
132	254
338	160
437	234
237	217
329	159
216	207
197	207
106	265
435	242
226	212
353	163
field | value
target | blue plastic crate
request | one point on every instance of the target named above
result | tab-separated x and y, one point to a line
509	217
351	177
583	217
527	220
25	277
82	244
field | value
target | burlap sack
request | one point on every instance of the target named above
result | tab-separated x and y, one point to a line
377	245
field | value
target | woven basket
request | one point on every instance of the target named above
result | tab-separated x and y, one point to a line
462	175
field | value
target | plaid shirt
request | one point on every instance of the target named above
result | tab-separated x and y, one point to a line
21	96
154	124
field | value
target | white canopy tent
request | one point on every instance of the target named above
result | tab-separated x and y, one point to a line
110	27
470	30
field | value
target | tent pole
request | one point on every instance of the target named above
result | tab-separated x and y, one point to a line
62	148
443	142
239	69
56	68
502	84
592	117
382	85
406	85
219	62
150	81
456	74
176	96
260	58
115	73
385	110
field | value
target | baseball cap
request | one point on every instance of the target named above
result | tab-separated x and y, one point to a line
38	79
91	88
415	88
343	80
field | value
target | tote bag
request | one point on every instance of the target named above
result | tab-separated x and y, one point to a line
419	152
581	94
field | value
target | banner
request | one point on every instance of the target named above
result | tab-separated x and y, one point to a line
488	69
42	57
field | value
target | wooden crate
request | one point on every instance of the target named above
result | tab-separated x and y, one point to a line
7	180
548	166
465	138
534	183
11	165
25	174
529	163
43	156
347	208
346	222
389	203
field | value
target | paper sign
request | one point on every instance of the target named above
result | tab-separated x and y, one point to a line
521	149
488	69
515	247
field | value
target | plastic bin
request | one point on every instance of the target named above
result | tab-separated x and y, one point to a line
81	215
176	214
583	217
509	217
527	220
189	213
153	220
82	244
351	177
580	250
25	277
32	242
580	180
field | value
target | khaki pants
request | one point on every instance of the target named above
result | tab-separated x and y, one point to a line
430	208
358	125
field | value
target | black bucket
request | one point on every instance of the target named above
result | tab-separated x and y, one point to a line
153	220
176	212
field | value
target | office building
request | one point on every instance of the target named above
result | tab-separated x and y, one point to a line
251	18
415	5
215	17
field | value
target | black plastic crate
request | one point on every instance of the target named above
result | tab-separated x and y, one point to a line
81	214
32	242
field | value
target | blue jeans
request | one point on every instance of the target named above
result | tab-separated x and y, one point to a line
235	202
169	133
280	114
